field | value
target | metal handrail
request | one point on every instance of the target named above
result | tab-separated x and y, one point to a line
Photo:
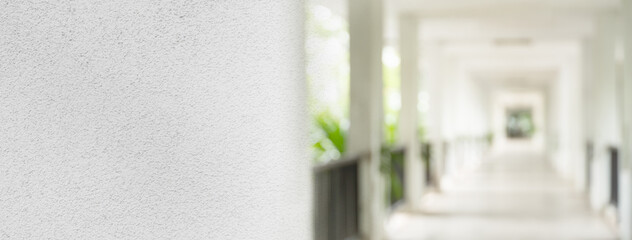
344	161
337	192
400	148
400	171
613	153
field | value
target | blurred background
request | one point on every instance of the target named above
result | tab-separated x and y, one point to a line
469	119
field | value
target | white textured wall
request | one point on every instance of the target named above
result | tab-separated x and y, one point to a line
153	120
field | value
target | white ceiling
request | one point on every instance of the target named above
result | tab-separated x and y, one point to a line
515	37
519	79
503	43
486	7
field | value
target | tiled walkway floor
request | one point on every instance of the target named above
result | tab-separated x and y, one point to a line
511	197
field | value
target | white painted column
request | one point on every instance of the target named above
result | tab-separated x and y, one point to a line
564	119
625	186
365	131
431	72
606	123
571	118
408	120
588	103
449	76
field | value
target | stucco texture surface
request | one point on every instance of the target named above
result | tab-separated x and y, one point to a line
152	120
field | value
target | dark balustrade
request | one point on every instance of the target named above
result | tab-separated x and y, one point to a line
426	157
589	160
337	191
614	175
336	199
396	175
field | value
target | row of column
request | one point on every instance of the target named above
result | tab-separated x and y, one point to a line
608	120
366	110
608	115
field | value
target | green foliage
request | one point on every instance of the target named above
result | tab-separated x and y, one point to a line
397	186
391	109
329	27
327	70
426	153
520	123
332	130
392	166
330	138
490	138
421	131
426	158
385	159
391	133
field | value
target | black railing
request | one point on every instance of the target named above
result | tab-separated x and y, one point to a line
426	157
589	160
396	175
444	154
336	199
614	175
337	191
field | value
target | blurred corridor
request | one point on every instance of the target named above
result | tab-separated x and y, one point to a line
464	119
515	195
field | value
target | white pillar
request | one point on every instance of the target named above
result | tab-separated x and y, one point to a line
588	103
576	105
408	120
432	73
570	119
606	123
448	85
365	132
625	186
